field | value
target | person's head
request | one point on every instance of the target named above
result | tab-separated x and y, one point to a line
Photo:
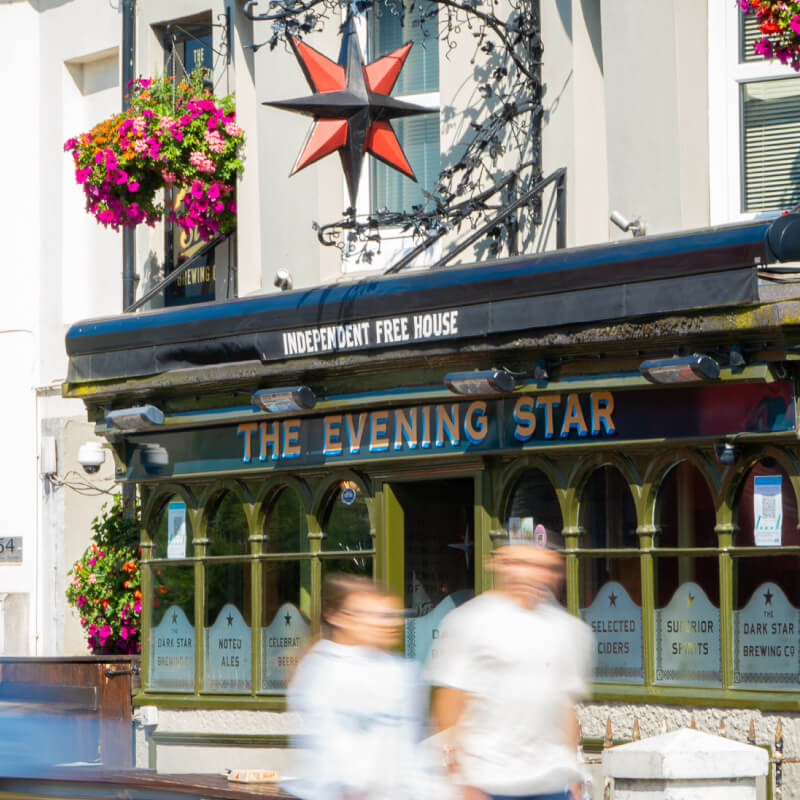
527	573
359	612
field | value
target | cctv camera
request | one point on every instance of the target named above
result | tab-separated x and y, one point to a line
91	456
283	280
727	454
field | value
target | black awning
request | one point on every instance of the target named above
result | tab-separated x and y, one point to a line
643	277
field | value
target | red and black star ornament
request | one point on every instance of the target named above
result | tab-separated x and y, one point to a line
351	106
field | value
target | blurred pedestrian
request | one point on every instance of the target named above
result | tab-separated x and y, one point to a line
362	707
510	666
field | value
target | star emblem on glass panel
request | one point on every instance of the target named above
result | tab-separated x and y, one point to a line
768	597
174	617
612	599
230	620
288	618
351	106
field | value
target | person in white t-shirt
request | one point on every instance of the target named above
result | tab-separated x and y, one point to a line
362	707
509	668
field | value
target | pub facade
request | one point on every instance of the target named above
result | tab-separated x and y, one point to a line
633	404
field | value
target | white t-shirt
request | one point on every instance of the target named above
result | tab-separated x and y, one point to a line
363	715
522	669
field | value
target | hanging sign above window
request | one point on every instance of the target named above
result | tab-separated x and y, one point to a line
507	424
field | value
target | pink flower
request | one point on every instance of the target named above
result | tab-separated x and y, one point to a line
123	632
105	632
92	561
763	47
213	191
93	577
70	144
119	177
140	145
139	124
197	189
232	129
81	601
794	23
137	606
215	141
145	82
218	206
76	581
133	186
168	176
82	175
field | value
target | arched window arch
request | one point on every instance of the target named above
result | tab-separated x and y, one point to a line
533	510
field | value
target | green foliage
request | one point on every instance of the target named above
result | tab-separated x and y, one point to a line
105	585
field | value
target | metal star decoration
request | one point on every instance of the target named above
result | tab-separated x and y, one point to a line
351	106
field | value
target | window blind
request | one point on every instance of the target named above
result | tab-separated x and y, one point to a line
771	144
420	25
749	34
420	139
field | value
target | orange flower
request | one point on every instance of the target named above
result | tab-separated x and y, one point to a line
127	584
137	594
163	589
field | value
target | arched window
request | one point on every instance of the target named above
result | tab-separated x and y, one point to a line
687	623
285	590
766	591
533	509
228	598
347	529
610	589
171	662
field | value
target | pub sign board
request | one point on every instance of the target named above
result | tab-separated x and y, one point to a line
507	424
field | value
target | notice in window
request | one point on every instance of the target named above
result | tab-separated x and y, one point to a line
616	622
283	643
687	638
767	508
767	641
172	652
228	649
176	530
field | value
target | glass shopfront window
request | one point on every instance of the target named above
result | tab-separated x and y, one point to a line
285	591
228	618
687	622
766	601
171	640
610	593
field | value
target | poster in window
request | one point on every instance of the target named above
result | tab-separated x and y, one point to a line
767	640
687	638
283	643
172	653
176	530
228	652
767	510
616	622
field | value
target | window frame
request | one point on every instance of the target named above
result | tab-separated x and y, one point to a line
726	74
393	244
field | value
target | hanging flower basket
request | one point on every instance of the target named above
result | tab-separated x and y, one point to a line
173	135
779	21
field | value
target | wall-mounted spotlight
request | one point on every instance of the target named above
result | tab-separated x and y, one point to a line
727	454
638	227
486	381
276	401
735	357
680	369
135	419
154	458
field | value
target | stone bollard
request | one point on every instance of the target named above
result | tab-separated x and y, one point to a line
685	765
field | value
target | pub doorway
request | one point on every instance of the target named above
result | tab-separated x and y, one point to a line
431	549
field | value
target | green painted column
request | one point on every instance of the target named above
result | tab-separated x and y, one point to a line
646	534
199	545
725	533
571	536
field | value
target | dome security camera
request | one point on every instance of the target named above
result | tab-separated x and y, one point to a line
91	457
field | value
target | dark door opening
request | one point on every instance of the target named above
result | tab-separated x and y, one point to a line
438	555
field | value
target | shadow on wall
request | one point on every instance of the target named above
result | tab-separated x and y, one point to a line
47	5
